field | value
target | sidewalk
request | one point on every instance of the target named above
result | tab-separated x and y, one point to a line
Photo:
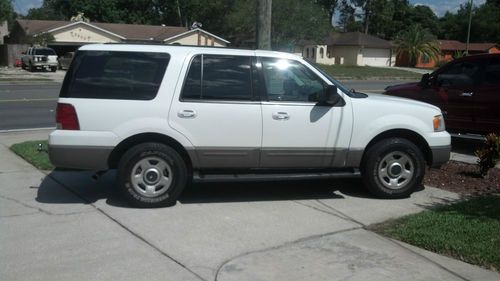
64	226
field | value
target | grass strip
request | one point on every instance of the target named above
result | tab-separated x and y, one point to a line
28	151
468	231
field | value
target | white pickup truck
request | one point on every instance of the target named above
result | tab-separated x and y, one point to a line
168	115
39	58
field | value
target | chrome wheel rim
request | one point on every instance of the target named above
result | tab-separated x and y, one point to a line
151	176
396	170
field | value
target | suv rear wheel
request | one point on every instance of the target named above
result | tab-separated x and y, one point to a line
152	175
393	168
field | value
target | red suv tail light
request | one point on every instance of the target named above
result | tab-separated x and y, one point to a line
66	117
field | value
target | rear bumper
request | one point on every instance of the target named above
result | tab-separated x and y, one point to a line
440	155
80	157
84	150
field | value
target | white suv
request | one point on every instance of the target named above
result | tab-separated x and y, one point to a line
168	115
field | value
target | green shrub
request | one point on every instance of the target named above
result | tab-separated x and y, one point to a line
489	154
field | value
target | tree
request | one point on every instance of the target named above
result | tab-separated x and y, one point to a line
330	6
264	14
42	39
485	24
347	20
416	42
292	21
6	10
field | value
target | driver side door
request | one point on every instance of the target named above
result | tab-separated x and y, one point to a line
456	86
297	132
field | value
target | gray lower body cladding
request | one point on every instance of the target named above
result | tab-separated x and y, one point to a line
440	155
96	157
80	157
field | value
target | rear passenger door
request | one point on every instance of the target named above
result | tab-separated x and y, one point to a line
219	111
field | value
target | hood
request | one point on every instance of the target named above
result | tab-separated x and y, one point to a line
407	90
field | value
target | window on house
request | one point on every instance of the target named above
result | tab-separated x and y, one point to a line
321	53
425	59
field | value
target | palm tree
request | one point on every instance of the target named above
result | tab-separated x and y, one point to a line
416	42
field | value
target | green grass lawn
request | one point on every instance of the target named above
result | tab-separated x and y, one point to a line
28	151
468	231
365	72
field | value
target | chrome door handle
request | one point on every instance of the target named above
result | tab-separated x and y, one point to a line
281	116
467	94
187	113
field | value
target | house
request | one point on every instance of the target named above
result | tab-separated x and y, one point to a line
350	48
451	49
70	35
4	31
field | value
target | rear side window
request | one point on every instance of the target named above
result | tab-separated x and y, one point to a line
45	52
115	75
219	77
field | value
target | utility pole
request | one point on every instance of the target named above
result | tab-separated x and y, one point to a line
264	12
468	31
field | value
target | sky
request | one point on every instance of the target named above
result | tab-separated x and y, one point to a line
438	6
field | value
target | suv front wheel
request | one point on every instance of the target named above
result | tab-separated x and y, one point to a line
152	175
393	168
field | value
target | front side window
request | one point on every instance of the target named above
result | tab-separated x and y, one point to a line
219	77
288	80
115	75
460	74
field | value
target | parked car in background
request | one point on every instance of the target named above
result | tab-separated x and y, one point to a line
467	90
39	58
65	60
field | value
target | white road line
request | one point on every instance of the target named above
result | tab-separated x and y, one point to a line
26	130
26	100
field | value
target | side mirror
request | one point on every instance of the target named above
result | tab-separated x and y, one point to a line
424	82
329	96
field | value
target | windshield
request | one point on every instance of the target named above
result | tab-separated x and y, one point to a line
45	52
331	79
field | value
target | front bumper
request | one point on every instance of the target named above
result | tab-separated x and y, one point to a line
440	155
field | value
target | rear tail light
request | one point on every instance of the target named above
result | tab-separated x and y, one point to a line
66	117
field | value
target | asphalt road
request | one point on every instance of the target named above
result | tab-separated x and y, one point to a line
28	106
33	105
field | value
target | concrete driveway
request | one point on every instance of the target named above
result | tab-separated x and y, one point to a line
65	226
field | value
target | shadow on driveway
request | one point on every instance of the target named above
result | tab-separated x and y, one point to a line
84	190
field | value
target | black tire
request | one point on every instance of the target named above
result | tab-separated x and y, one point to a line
53	69
393	168
138	161
31	68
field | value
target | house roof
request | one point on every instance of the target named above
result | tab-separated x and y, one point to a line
357	39
126	31
454	45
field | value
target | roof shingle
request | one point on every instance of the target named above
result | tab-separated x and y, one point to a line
128	31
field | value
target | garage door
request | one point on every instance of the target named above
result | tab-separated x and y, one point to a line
376	57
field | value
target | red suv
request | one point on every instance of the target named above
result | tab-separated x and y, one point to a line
467	90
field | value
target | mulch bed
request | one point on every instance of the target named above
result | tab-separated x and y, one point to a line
464	179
